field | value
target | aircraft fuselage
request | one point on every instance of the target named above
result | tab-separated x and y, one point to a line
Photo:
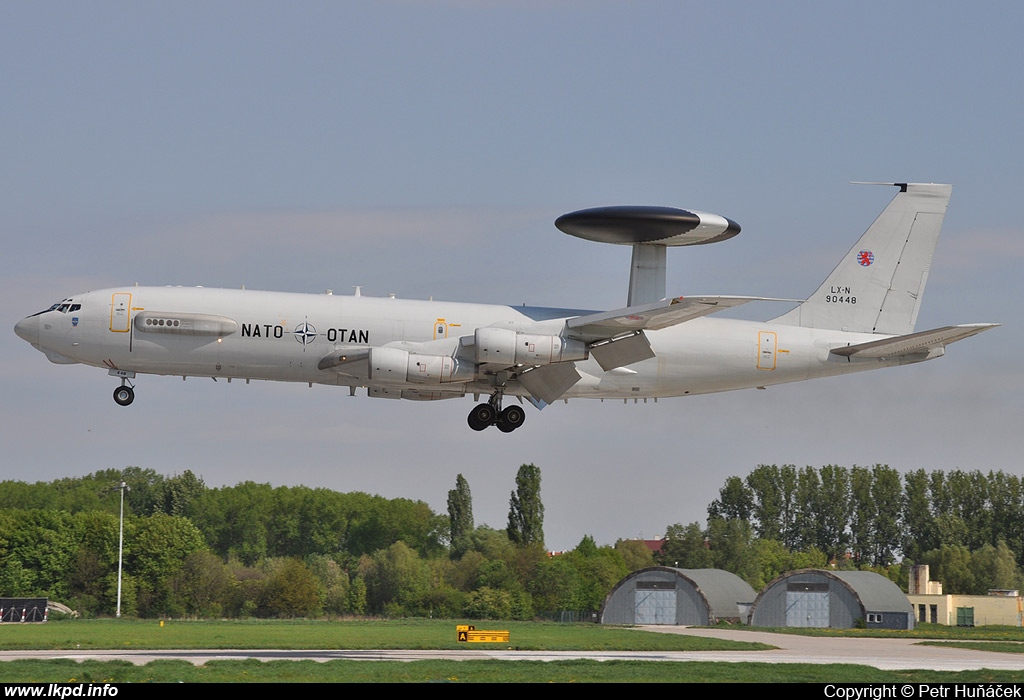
246	334
861	317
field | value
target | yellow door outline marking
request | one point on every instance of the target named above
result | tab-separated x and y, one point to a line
120	312
767	346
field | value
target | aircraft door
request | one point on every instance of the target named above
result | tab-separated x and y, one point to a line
120	312
440	329
767	344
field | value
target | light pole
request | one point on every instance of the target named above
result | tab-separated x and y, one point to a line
120	546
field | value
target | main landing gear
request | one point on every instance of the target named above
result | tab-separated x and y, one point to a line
124	394
487	414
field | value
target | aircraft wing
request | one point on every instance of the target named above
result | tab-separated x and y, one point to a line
653	316
616	338
914	343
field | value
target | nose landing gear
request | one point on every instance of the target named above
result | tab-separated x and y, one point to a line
124	394
487	414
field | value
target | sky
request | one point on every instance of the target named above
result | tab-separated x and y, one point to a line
424	149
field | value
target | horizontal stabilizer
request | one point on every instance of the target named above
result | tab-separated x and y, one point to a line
653	316
923	342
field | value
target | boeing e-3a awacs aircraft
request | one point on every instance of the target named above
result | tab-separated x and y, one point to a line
861	317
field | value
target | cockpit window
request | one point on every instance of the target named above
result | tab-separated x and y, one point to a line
62	306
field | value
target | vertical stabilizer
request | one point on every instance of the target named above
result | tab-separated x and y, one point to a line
878	286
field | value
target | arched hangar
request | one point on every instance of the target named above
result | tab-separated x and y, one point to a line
836	599
663	595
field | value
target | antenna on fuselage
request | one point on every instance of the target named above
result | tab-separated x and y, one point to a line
650	230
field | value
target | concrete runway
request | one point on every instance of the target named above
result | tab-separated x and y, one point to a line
889	654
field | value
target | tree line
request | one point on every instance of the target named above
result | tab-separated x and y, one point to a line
256	550
968	526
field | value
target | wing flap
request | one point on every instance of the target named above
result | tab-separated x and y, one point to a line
549	382
622	351
914	343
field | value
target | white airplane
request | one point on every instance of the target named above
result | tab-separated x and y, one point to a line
861	317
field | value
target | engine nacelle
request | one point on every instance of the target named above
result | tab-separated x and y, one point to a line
397	366
508	347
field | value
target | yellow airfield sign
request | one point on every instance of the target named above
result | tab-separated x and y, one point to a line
469	633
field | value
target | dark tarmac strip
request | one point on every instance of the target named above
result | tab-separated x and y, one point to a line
888	654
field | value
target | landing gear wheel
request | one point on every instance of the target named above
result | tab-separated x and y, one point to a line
124	395
511	418
482	416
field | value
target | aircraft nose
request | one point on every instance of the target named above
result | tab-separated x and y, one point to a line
28	329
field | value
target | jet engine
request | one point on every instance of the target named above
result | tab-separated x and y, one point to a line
399	366
508	347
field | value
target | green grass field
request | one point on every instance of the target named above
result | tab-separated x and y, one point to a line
426	634
351	634
473	672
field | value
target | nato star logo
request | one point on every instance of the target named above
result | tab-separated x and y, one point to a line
305	333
